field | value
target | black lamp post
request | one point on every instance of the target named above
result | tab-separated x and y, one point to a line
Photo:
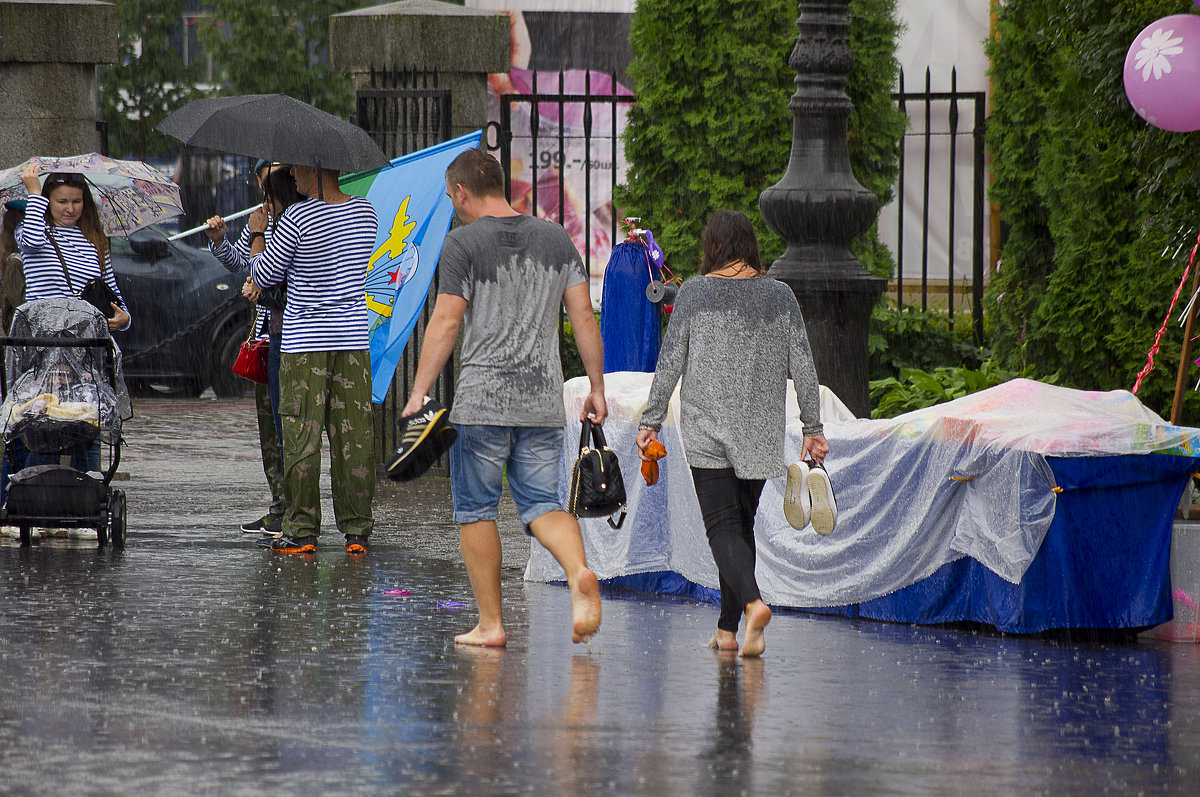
818	208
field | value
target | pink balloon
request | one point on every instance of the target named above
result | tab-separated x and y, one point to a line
1162	73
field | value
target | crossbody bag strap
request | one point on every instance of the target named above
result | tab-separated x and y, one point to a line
62	262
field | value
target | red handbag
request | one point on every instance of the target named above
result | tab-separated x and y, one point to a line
251	362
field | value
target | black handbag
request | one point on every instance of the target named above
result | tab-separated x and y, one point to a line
597	489
95	291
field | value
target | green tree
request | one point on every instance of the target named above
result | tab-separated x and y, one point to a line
149	79
711	128
1091	197
279	47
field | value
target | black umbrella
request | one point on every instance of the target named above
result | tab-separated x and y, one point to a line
275	127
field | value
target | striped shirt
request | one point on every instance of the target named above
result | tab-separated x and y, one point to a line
44	277
322	250
235	258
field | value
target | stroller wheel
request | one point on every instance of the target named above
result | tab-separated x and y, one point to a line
116	521
26	534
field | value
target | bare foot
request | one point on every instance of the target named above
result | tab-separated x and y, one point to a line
585	606
758	614
487	639
723	640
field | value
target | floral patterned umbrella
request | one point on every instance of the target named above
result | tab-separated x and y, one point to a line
129	194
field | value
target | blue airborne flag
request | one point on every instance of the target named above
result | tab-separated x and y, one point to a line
414	216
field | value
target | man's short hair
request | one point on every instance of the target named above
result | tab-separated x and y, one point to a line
478	172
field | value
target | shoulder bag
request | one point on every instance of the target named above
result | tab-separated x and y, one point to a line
597	489
95	291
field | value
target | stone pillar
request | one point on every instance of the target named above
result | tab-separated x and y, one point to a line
462	44
49	51
818	207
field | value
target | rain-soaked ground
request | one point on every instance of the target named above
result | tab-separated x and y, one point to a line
194	663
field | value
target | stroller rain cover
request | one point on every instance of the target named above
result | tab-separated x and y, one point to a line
59	396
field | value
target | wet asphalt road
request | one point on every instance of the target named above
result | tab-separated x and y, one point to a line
194	663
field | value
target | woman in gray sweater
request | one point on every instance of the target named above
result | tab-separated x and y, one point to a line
735	337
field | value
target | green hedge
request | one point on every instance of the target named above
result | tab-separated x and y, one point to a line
711	128
1090	196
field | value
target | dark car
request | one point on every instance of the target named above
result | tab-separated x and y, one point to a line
189	316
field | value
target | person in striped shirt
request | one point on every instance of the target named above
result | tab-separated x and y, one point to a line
279	192
63	245
321	247
63	212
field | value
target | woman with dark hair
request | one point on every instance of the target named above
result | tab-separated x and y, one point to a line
62	242
279	192
735	337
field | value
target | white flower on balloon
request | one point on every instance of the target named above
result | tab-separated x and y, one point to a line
1155	53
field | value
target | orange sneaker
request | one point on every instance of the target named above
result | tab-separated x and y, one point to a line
286	544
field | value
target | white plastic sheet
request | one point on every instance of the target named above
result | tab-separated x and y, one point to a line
966	478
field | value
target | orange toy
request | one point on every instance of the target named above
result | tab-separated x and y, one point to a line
655	451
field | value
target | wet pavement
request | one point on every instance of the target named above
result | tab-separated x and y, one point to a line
194	663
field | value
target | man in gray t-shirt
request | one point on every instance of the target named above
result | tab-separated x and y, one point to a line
505	275
513	272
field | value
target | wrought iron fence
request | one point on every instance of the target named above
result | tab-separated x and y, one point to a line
563	149
951	125
404	111
948	129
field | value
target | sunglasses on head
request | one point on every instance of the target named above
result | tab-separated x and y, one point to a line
66	179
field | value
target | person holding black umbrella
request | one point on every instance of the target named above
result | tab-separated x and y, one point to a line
321	247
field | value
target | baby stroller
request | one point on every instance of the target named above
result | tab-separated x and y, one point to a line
63	396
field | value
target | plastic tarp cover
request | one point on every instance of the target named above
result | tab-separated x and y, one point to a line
58	396
968	478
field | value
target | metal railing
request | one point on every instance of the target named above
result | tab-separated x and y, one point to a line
954	132
553	156
404	111
546	150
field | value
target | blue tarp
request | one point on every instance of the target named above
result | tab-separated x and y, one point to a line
1103	564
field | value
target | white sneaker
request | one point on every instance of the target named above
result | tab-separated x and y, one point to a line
82	534
824	507
10	531
796	501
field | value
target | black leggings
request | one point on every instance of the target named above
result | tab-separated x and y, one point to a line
728	505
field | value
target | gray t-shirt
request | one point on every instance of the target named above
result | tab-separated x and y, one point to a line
512	271
734	343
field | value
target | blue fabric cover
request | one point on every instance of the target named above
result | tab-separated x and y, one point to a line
630	324
1105	562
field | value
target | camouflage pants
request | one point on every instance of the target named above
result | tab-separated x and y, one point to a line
271	456
330	390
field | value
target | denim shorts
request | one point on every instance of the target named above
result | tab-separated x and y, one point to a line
477	463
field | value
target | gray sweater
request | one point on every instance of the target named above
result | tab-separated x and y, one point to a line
734	343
